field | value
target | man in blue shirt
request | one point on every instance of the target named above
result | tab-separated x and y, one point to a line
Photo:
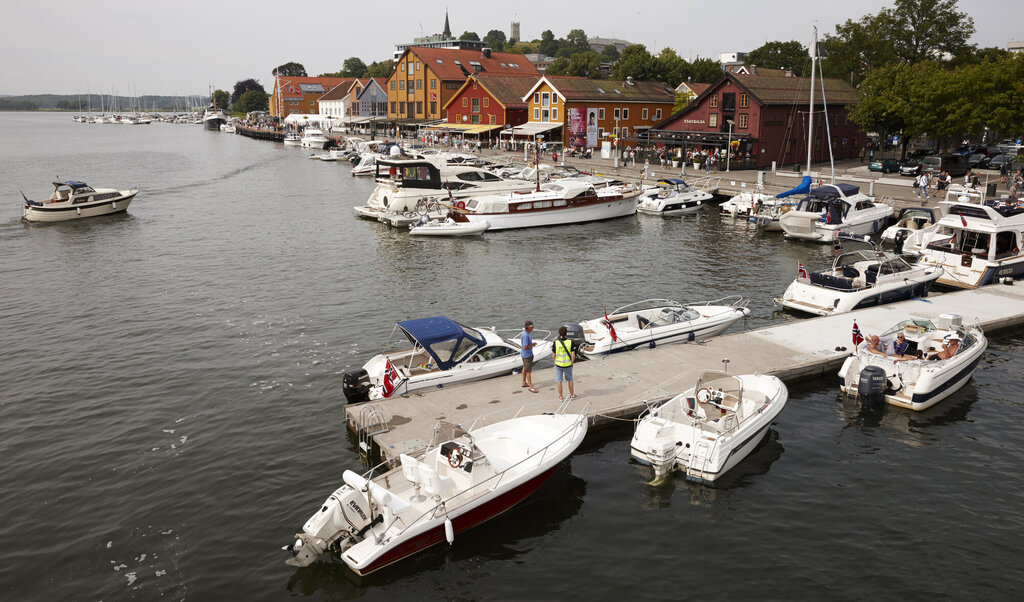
526	341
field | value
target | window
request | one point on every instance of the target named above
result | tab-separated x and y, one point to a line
615	113
401	85
487	102
417	65
615	132
554	114
657	114
713	120
392	85
714	101
410	70
536	114
476	105
433	84
545	115
545	99
536	98
419	84
465	102
474	84
744	101
433	107
475	119
600	113
625	113
743	120
643	114
392	106
490	119
600	132
401	107
419	107
451	85
625	132
728	101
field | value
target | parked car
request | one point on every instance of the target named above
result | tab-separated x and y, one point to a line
998	161
978	161
886	165
920	153
966	149
953	164
911	167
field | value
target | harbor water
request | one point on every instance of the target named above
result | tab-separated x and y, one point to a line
171	408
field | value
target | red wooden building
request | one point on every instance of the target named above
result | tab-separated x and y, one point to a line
490	100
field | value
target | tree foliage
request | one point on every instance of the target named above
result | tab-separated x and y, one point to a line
781	55
610	53
672	68
705	70
252	100
470	36
353	67
380	68
559	66
291	69
495	40
221	99
243	86
635	62
548	44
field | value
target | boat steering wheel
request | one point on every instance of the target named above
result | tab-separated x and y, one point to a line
704	395
456	457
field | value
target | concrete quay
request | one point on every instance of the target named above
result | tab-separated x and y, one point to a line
620	386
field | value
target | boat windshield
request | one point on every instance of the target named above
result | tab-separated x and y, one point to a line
447	431
728	384
916	325
445	340
647	304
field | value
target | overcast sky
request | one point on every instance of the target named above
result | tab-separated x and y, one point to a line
185	46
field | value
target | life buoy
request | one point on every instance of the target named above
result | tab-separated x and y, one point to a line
460	205
456	457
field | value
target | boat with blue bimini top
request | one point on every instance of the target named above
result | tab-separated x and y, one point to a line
710	428
833	208
658	322
765	212
443	353
859	278
923	362
673	196
72	199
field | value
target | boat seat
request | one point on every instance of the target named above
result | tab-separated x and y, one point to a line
642	322
850	272
410	468
435	484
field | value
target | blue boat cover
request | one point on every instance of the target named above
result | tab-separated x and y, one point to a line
72	183
802	188
447	341
675	181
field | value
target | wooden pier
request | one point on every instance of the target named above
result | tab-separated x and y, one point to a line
260	133
622	385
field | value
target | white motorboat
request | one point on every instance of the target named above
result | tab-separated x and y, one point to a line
568	201
660	321
73	200
909	382
859	278
910	220
710	428
213	118
973	244
292	139
443	353
455	224
835	208
673	196
366	166
465	477
228	128
765	212
314	138
745	203
406	185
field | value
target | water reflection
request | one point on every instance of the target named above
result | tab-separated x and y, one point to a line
912	427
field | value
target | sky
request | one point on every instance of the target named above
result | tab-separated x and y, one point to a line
187	46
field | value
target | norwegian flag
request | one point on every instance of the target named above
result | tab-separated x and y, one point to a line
391	378
608	323
450	197
800	271
857	337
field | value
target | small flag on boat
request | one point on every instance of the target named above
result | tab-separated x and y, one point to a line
963	220
800	271
608	323
857	337
391	378
450	198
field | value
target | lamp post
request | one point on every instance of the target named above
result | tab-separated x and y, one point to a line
728	145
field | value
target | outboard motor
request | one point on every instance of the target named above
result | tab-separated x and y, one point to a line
900	239
872	385
575	334
355	384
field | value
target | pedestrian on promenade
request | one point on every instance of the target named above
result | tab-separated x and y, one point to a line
527	344
565	356
922	185
647	168
1003	172
943	181
862	155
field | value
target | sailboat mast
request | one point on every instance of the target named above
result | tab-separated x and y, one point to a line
810	110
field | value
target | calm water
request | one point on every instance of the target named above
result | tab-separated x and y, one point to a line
171	409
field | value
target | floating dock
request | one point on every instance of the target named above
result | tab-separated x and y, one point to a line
622	385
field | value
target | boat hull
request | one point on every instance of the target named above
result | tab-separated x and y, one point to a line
471	229
213	123
822	301
667	335
61	212
558	217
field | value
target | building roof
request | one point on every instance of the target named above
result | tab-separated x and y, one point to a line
298	87
508	90
571	88
453	64
341	90
694	87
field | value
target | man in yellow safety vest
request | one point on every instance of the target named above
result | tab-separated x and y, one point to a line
565	355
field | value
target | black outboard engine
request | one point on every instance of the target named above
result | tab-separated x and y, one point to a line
872	385
900	239
355	384
575	334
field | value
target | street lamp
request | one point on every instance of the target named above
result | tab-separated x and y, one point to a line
728	146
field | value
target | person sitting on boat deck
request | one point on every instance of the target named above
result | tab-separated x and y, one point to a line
900	346
950	344
876	346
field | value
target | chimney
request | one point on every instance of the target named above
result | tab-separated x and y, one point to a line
487	53
629	80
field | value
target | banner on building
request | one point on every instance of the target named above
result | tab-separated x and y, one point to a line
577	127
591	127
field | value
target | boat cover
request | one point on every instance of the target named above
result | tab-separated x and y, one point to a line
802	188
825	192
71	183
447	341
678	182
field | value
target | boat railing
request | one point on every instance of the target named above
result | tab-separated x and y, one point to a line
734	301
511	334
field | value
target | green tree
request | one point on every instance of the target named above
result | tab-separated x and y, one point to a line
252	100
243	86
921	30
522	48
672	68
610	53
380	68
576	40
221	99
291	69
63	105
548	44
470	36
559	66
781	55
585	64
495	40
353	67
705	71
635	62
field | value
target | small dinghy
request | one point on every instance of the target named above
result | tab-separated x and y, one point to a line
923	363
455	224
710	428
466	477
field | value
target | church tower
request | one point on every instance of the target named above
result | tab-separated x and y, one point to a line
447	33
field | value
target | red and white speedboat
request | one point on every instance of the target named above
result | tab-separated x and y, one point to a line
465	477
568	201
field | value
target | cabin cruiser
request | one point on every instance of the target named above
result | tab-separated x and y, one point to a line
673	196
73	200
364	165
835	208
660	321
406	185
443	353
710	428
974	244
857	279
910	379
213	118
568	201
314	138
292	139
466	476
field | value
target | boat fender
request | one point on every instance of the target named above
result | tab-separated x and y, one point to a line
460	205
449	530
114	205
79	210
691	337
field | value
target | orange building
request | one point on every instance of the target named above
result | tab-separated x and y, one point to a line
300	94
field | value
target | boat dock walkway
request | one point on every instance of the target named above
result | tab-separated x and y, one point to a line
620	386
